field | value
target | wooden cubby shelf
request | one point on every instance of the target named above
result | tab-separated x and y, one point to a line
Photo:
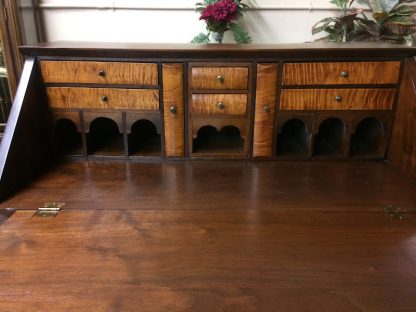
369	139
330	138
67	138
104	138
144	139
293	139
210	140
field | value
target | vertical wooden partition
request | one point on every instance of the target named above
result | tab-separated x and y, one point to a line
173	108
26	149
402	151
265	110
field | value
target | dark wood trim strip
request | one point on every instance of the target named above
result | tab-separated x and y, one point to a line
230	52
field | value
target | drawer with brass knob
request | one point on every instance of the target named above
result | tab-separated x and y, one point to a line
337	73
102	98
337	99
219	104
145	74
219	78
219	114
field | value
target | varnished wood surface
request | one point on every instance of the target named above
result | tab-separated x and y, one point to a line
322	73
234	104
265	110
325	99
402	151
206	78
224	51
174	124
207	261
88	72
299	186
225	236
117	98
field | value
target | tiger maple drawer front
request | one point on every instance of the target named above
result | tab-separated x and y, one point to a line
103	98
323	73
219	104
99	72
219	78
337	99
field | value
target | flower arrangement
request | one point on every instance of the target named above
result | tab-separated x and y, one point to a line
391	21
221	16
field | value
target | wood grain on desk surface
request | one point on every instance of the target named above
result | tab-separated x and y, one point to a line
212	236
221	260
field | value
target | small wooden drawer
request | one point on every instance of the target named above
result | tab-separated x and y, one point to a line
337	99
219	78
219	104
99	72
323	73
103	98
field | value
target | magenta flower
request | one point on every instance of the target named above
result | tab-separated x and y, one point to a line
222	11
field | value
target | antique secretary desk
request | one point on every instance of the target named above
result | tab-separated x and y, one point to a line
134	102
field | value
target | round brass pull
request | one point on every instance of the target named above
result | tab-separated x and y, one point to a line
104	98
221	105
220	79
173	109
101	73
338	98
345	74
266	109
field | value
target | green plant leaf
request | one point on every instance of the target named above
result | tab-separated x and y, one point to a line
340	3
388	5
240	35
201	38
376	5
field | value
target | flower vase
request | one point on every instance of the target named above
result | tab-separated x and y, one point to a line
217	37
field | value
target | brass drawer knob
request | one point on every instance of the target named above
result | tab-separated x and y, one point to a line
221	105
104	98
173	109
266	109
220	79
345	74
338	99
101	73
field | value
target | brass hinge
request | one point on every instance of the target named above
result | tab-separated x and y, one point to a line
49	210
394	212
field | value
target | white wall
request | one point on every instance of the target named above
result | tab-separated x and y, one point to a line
269	21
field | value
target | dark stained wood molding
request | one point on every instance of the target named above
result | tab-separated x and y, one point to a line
402	152
25	149
315	50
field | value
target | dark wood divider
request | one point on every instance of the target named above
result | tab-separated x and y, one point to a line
26	148
402	151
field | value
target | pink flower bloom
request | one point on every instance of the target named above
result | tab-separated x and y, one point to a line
221	11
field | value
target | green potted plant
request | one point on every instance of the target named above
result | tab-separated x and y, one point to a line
390	21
